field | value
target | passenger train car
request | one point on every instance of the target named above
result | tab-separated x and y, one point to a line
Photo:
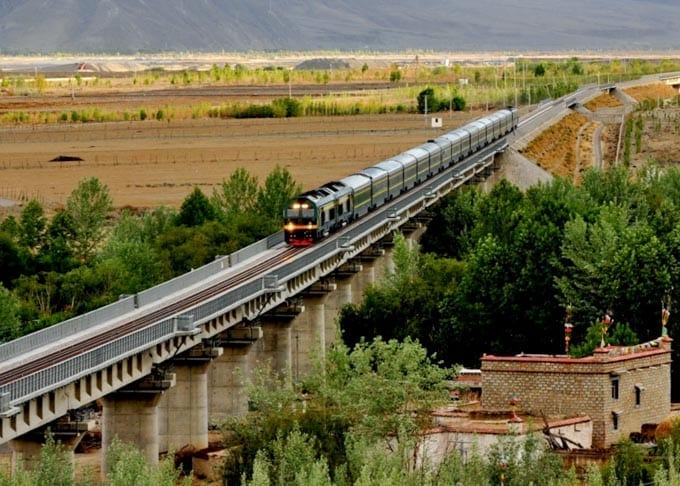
316	213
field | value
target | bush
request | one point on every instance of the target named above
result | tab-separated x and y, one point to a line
255	111
286	107
432	102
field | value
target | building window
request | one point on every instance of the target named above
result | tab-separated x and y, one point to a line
638	394
615	388
615	419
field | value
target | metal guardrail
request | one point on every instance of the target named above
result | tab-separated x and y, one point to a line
70	370
97	359
130	303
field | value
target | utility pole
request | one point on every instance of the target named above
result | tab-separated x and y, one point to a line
514	78
426	110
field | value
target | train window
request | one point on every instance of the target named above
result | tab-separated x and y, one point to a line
323	217
331	216
348	207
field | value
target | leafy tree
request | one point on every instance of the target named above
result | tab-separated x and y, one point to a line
10	226
427	99
127	466
629	464
273	198
88	207
614	265
9	316
195	210
395	75
56	465
56	253
33	225
499	212
449	232
458	103
236	196
372	392
539	70
286	107
154	223
137	258
182	248
620	334
12	262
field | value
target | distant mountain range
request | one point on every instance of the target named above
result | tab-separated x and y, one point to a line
133	26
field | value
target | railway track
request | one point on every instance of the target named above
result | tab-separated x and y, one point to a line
87	344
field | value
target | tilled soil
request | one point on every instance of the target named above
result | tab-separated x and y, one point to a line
151	163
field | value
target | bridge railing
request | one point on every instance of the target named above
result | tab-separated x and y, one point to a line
99	358
137	341
130	303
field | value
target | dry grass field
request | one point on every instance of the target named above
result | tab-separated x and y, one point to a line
158	162
151	163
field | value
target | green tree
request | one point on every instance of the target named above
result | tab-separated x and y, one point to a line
33	225
12	263
56	252
184	248
88	206
617	265
137	259
376	391
273	198
620	334
127	466
237	195
10	324
449	233
427	100
195	210
458	103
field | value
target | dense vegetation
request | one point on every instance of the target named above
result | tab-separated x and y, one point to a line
80	260
495	275
357	419
127	466
498	270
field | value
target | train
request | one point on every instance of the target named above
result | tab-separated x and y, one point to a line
314	214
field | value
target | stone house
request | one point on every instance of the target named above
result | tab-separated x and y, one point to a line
623	389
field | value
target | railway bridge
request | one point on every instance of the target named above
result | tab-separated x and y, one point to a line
168	360
163	362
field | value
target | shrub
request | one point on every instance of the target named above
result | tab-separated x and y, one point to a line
255	111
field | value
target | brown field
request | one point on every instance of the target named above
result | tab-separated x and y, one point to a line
151	163
652	91
556	150
605	100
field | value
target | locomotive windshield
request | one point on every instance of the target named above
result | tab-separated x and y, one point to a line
299	211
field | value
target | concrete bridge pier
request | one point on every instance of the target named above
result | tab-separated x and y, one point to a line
131	415
342	296
229	373
276	348
309	328
183	409
26	450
